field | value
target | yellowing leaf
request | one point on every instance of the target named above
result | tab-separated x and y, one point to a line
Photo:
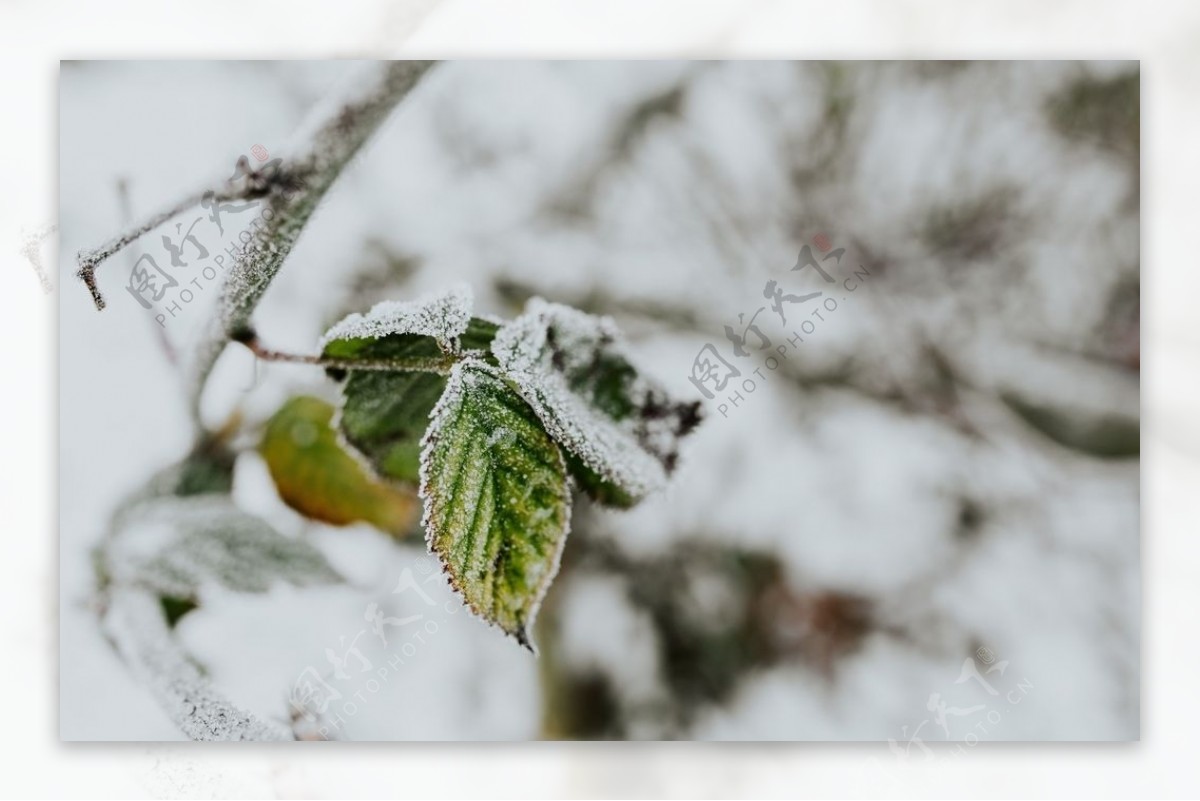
319	479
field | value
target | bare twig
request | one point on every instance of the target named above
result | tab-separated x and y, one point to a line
89	260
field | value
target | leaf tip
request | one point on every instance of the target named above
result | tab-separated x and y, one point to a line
524	640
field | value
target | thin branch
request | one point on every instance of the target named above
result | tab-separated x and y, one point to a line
321	149
89	260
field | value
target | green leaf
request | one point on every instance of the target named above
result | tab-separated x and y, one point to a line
209	469
411	351
596	487
622	429
175	608
319	479
423	334
384	415
479	335
497	499
405	351
385	411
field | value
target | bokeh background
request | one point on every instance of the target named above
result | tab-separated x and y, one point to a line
945	470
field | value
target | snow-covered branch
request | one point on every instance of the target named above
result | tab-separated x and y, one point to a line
311	163
134	622
319	152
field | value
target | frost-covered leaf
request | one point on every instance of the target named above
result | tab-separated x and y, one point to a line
319	479
174	546
385	413
497	500
622	428
596	487
419	333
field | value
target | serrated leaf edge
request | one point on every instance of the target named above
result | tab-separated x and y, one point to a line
438	417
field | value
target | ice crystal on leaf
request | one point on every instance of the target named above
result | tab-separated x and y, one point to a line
443	317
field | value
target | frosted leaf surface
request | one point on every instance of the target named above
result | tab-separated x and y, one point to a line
621	430
443	317
497	499
174	546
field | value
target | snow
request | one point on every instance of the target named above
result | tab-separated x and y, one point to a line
138	631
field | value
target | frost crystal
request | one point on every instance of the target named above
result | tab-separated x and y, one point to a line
443	316
571	367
